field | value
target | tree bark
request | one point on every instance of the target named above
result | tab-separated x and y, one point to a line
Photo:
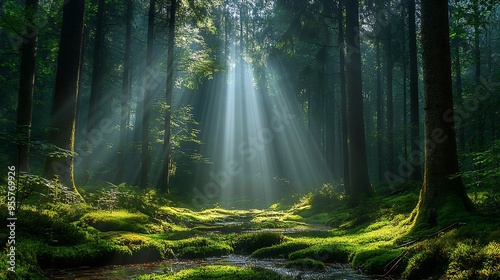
125	98
360	182
26	85
145	145
95	110
414	108
389	101
66	93
440	194
458	84
167	145
380	113
343	100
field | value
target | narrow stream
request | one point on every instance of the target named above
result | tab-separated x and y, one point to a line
115	272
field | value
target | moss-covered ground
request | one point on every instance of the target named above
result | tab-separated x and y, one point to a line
377	237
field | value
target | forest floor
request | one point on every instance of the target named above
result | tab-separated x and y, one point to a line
309	235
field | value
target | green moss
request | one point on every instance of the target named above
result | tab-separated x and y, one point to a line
200	247
123	221
218	272
325	252
280	250
306	264
48	228
470	261
249	242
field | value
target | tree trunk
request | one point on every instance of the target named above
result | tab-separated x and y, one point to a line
66	92
343	101
414	114
360	183
458	83
147	103
167	145
405	92
125	98
440	196
389	101
26	86
380	113
95	103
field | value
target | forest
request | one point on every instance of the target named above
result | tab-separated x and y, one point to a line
250	139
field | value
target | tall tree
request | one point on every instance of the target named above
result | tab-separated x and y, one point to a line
414	114
167	145
26	84
95	110
146	113
343	99
389	93
439	190
380	107
126	90
358	167
63	115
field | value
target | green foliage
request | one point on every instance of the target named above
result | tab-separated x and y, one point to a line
249	242
484	178
121	196
306	264
26	264
326	198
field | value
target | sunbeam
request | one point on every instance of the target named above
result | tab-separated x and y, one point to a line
259	146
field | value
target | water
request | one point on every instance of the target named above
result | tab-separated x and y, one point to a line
115	272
